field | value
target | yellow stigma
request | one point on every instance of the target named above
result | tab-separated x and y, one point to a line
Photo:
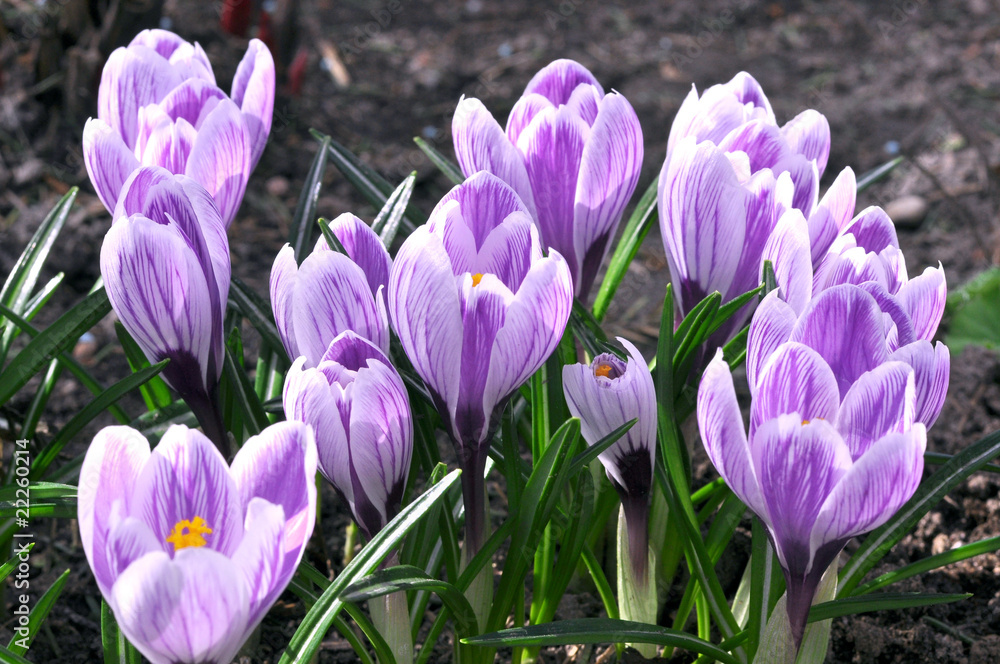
189	533
603	370
805	422
476	278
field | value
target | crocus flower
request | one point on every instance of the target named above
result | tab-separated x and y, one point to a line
357	405
331	293
572	154
188	552
165	264
821	464
736	116
720	223
606	394
159	105
478	309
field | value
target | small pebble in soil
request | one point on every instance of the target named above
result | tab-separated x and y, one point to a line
907	211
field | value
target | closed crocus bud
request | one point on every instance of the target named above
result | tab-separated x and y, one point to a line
821	464
330	292
357	405
572	153
477	309
719	224
736	116
165	264
189	552
158	105
606	394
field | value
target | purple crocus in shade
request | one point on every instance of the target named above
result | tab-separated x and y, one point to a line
357	404
604	395
572	153
736	116
159	105
330	292
719	224
821	464
189	552
477	309
165	264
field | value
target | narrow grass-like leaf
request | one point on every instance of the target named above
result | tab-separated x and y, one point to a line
53	340
593	451
601	582
383	653
20	643
636	229
44	459
117	649
877	173
445	165
309	635
386	224
12	564
45	499
256	309
599	630
155	392
7	657
847	606
254	417
407	577
930	563
948	476
300	232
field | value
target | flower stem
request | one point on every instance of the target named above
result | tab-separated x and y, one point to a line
208	411
391	617
636	576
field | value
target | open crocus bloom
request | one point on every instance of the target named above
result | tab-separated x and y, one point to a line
331	293
357	404
189	552
159	105
606	394
478	309
572	153
821	463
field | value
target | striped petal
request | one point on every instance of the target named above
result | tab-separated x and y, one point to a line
881	402
795	380
771	326
557	81
832	213
808	134
108	160
931	369
220	158
923	298
132	78
253	92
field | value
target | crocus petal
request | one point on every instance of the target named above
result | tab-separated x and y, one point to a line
609	171
253	92
873	229
882	401
534	325
481	145
186	477
931	369
795	380
190	609
114	460
425	311
109	161
844	325
509	251
260	557
760	140
163	42
719	110
788	250
722	432
771	326
799	464
132	78
923	298
282	290
128	541
833	213
484	202
805	177
363	246
874	488
808	134
557	80
524	111
192	100
220	158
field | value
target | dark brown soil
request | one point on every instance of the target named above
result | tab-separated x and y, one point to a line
909	77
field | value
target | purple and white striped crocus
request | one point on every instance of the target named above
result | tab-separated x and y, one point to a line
604	395
159	105
165	264
331	293
189	552
572	153
477	309
357	404
720	223
821	464
737	117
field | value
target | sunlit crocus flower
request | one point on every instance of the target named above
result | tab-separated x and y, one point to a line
736	116
478	309
572	154
188	552
606	394
159	105
357	405
720	223
332	292
821	463
165	264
